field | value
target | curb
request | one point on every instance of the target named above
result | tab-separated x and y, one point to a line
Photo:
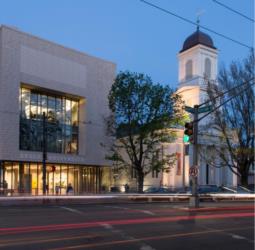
97	200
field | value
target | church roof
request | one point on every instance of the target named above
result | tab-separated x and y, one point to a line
196	38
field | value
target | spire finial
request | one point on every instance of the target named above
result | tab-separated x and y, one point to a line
198	21
199	13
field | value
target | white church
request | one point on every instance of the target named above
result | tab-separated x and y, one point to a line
198	61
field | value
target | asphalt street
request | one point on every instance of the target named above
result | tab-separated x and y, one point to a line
146	226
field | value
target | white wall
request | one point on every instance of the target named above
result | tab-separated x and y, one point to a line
197	54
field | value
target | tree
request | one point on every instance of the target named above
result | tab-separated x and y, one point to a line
142	113
234	120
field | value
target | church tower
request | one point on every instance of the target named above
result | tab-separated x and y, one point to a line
197	61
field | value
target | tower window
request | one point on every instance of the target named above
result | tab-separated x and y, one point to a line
189	69
207	68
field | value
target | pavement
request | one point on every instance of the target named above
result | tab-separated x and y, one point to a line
137	226
117	198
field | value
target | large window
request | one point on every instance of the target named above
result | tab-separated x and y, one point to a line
189	69
61	125
26	178
208	68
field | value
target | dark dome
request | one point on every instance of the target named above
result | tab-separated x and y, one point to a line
196	38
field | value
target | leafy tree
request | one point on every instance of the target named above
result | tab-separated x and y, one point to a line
235	119
142	113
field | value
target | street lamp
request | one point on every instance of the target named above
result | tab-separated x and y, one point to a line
44	153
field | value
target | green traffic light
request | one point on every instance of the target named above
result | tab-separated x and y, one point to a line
185	138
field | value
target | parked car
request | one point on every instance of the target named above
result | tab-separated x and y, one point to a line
214	189
159	190
209	189
227	190
115	189
251	187
186	190
242	190
202	189
238	190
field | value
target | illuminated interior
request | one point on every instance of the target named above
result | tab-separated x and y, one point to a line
61	115
26	178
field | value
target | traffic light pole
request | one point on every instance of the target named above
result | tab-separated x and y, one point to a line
194	199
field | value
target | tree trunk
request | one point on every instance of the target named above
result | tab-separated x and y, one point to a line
244	179
140	182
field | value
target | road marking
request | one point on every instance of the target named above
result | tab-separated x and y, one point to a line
107	226
234	236
146	247
133	210
150	238
29	241
72	210
200	209
147	212
238	237
118	207
125	236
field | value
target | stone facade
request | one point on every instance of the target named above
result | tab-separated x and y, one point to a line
27	59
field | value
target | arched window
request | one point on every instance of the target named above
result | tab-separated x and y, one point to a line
208	68
189	69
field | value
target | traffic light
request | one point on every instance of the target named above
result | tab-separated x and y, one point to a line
188	132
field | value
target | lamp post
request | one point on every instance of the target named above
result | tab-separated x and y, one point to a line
1	177
44	154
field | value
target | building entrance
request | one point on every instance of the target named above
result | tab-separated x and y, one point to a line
26	178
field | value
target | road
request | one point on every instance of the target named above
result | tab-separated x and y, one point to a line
129	226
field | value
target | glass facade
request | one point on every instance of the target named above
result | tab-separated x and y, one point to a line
26	178
61	122
61	129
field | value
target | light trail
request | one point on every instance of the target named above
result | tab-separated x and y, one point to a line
29	241
149	238
57	227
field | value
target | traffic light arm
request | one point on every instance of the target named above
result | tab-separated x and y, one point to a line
196	120
225	92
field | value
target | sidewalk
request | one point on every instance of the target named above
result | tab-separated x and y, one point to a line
118	198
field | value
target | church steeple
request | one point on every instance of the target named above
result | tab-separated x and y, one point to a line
197	60
198	37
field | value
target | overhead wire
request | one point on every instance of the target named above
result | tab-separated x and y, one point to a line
225	92
235	11
195	23
232	97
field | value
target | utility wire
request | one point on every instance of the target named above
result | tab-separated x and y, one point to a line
194	23
225	92
224	103
235	11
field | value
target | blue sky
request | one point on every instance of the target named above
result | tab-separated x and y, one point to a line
133	35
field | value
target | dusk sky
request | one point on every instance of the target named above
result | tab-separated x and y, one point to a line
131	34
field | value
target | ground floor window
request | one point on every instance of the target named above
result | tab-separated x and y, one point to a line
26	178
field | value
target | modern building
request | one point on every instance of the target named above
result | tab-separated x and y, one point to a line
69	88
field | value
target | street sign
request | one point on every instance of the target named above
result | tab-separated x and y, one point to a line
200	110
205	109
193	171
190	109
